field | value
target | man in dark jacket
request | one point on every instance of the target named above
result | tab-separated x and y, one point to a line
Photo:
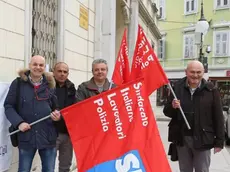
65	91
201	104
36	100
97	84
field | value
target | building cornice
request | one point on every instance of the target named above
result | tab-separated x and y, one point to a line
189	29
149	20
221	25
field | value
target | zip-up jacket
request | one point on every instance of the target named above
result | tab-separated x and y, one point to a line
204	112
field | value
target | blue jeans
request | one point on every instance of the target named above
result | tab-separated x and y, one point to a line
47	156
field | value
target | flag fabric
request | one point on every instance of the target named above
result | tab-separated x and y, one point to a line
146	64
121	70
116	132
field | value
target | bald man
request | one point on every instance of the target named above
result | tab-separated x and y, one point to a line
65	91
201	103
30	98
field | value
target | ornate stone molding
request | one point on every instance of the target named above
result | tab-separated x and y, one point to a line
154	7
149	20
125	5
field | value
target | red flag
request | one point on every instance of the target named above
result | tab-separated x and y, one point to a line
116	131
145	63
121	70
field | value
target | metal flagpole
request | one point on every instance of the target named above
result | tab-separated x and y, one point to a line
35	122
110	84
182	112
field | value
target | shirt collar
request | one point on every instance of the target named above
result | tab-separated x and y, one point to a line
36	83
187	84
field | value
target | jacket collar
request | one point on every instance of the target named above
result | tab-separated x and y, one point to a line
24	73
71	90
92	86
203	84
67	83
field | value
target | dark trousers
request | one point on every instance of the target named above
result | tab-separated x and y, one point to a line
65	149
190	158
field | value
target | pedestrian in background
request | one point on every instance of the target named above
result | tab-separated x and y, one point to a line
65	91
201	103
36	100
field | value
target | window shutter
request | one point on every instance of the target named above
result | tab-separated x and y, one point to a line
163	49
159	49
224	44
191	53
187	6
192	5
217	51
186	47
218	3
161	12
161	9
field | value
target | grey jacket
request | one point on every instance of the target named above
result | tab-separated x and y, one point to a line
89	88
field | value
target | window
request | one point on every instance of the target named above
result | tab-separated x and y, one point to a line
222	3
162	9
161	49
190	6
221	43
189	46
44	30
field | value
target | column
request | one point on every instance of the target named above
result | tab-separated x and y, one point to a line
105	32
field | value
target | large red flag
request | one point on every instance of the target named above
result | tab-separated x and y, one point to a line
116	132
145	63
121	70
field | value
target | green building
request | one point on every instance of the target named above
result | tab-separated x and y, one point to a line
177	21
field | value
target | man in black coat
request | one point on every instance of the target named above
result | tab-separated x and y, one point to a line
201	103
65	91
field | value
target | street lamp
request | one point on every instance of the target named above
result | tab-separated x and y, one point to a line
201	29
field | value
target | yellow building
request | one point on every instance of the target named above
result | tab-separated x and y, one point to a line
73	31
179	43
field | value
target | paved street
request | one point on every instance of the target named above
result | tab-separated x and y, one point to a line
220	162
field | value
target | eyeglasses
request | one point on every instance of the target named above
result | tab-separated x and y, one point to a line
42	98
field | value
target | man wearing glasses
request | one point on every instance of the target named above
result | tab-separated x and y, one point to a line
65	91
36	100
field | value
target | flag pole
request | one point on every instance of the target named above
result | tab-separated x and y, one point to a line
182	112
110	84
33	123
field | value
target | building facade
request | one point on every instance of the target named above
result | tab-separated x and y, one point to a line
73	31
179	43
56	29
